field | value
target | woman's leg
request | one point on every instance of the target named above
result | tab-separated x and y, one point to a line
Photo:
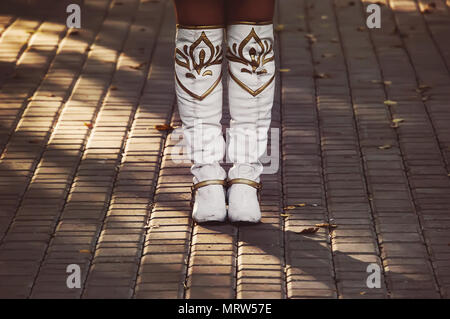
250	10
198	84
200	12
251	82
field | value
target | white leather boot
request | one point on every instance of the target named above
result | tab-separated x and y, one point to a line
198	77
251	84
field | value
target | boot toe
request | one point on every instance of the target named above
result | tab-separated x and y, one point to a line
243	204
209	205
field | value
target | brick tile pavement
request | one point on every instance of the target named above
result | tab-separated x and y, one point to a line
86	179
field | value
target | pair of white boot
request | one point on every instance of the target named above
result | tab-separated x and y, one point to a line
251	82
209	197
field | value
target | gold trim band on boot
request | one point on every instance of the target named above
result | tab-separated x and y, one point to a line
246	88
246	181
195	187
201	27
209	182
250	22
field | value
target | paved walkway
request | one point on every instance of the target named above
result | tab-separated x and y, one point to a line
86	179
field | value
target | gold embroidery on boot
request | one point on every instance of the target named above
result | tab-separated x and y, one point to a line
189	62
196	96
257	59
249	90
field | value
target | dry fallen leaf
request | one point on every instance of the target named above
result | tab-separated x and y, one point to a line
424	87
390	103
279	27
285	215
138	67
84	251
385	147
311	37
164	127
326	225
88	125
381	82
150	226
321	75
396	123
294	206
421	89
310	230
